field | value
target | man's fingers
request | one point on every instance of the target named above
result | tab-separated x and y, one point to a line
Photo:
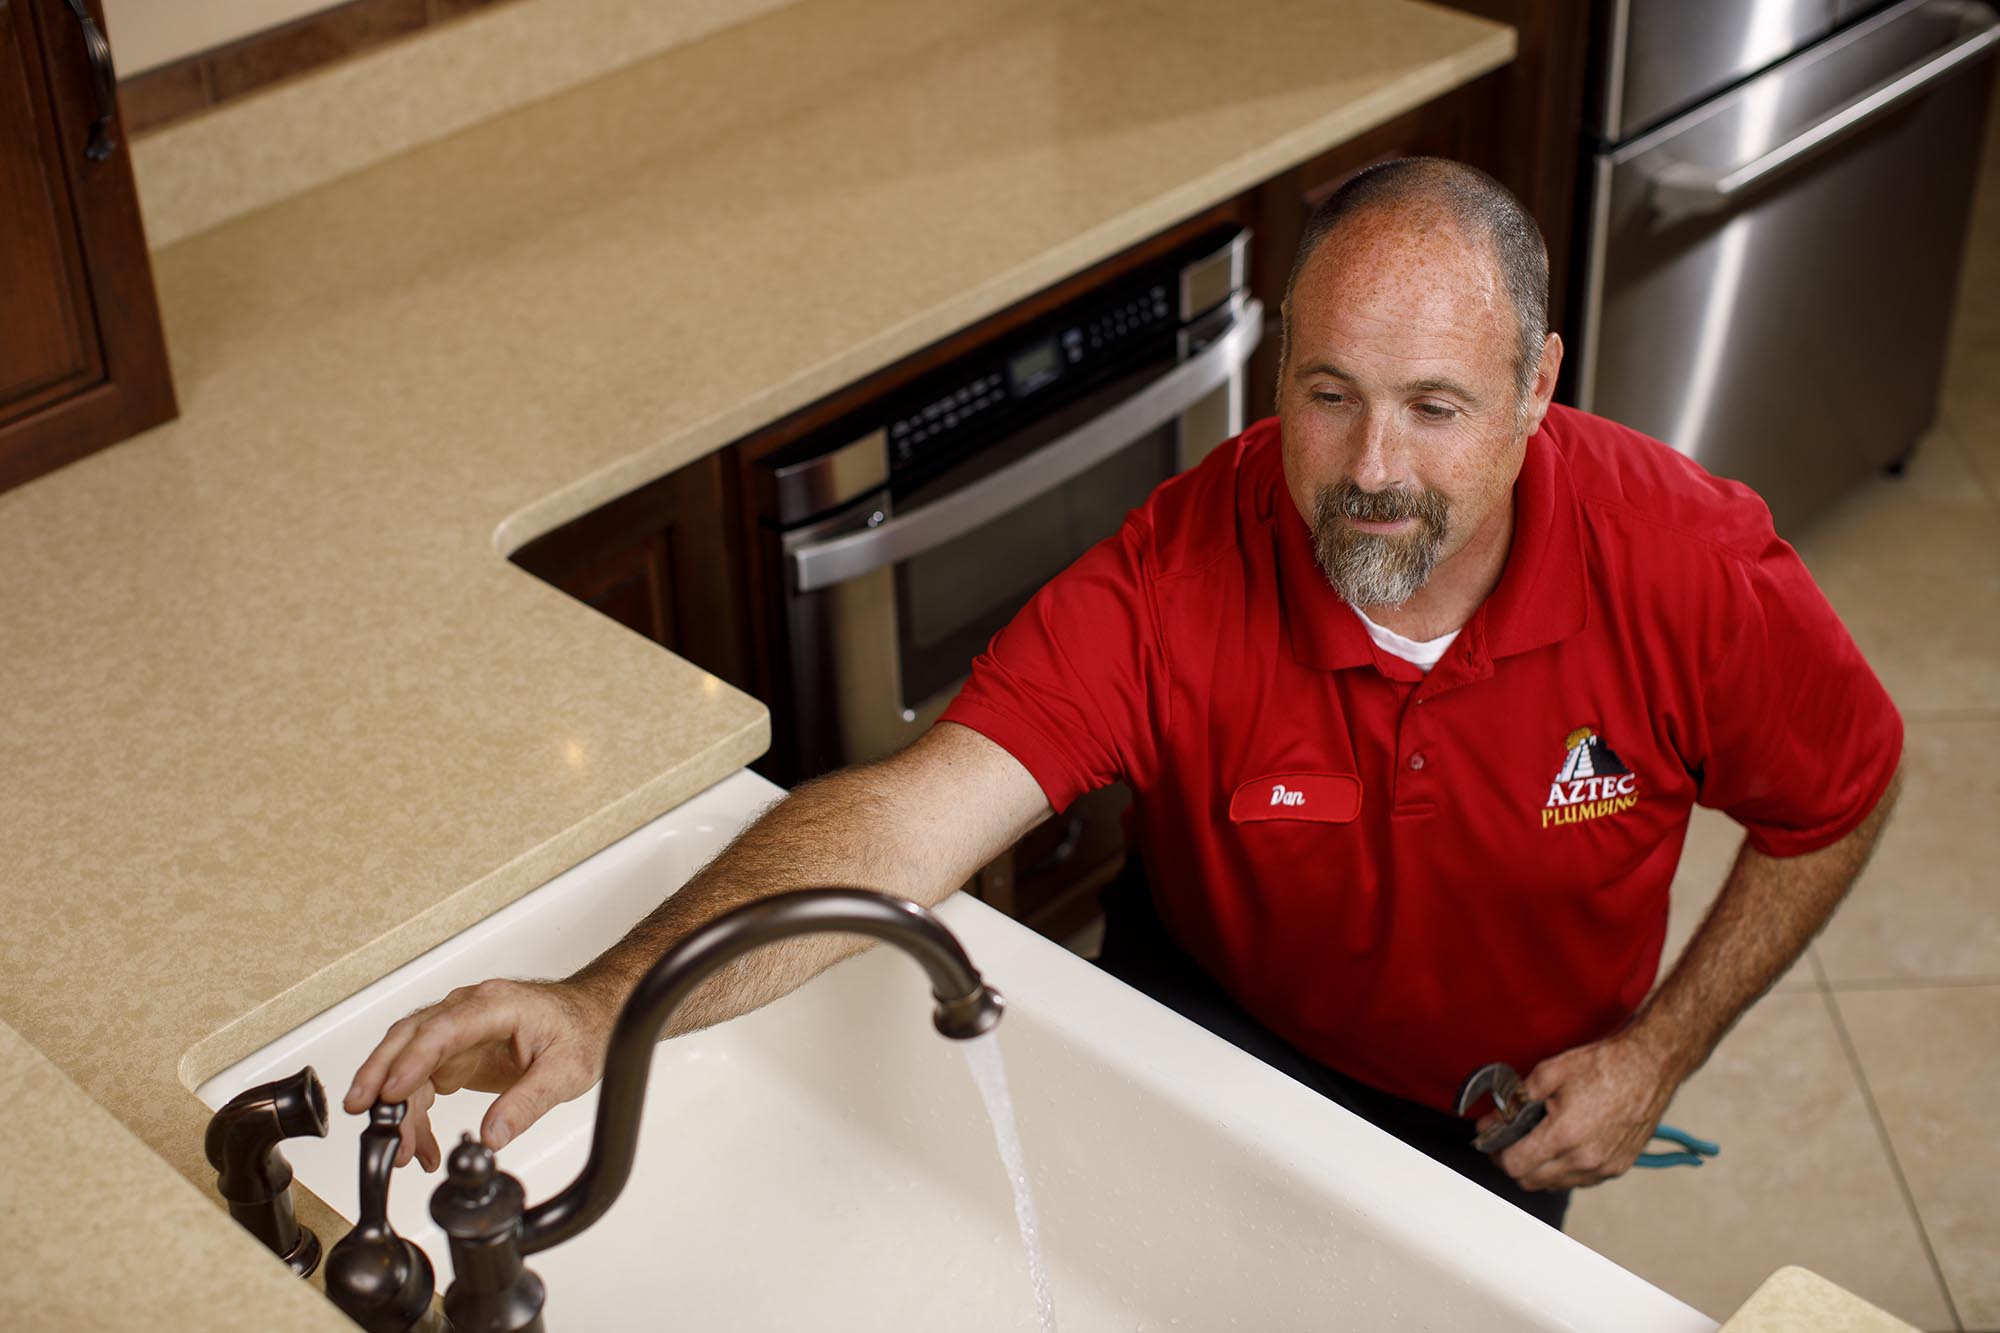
546	1083
1546	1079
1581	1164
441	1033
366	1086
1546	1142
427	1145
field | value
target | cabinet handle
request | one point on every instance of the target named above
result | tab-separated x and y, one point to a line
103	80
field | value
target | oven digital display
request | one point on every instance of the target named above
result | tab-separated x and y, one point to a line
1029	370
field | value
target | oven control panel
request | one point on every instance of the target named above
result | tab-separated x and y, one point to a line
951	412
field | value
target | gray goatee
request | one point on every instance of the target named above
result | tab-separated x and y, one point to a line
1369	569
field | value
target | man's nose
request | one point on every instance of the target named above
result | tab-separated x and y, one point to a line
1374	465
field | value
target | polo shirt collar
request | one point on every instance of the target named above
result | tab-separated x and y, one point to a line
1541	597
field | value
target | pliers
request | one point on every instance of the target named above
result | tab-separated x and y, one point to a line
1520	1113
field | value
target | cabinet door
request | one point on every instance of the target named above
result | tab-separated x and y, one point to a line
661	561
48	340
82	361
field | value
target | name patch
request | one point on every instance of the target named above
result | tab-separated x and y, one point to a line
1324	798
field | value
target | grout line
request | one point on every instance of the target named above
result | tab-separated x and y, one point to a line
1907	983
1889	1147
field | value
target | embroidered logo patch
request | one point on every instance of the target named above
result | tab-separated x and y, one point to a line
1592	783
1324	798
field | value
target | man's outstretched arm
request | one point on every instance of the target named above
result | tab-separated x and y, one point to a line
917	825
1605	1098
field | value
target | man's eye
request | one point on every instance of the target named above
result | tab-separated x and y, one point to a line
1330	396
1436	411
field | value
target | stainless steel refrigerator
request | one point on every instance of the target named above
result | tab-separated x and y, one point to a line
1774	201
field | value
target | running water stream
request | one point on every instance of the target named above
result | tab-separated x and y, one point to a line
982	1055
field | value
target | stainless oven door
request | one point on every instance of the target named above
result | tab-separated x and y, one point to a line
888	601
1771	276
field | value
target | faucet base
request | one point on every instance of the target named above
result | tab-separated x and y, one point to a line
305	1255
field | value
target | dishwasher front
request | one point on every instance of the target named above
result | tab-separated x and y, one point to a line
1769	276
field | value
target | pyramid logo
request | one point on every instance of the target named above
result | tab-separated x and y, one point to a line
1592	782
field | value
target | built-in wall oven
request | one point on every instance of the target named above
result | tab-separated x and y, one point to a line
906	535
1775	200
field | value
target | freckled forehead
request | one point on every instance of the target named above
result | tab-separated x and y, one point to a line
1407	269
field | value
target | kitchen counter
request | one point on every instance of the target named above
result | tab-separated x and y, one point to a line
280	715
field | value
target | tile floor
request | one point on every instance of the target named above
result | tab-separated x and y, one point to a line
1857	1103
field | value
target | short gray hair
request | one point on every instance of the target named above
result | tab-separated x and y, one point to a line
1477	203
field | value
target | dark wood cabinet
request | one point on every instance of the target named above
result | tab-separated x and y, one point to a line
664	561
82	360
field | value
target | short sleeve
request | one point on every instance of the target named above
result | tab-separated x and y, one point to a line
1071	685
1803	739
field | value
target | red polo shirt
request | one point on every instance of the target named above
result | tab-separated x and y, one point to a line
1409	875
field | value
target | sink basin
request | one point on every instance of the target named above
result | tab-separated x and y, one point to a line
826	1162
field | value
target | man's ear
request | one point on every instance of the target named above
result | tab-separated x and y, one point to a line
1543	391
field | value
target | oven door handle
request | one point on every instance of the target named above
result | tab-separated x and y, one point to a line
837	559
1682	189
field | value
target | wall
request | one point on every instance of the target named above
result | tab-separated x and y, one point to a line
146	33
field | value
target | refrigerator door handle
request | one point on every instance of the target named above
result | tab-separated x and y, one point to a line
1682	189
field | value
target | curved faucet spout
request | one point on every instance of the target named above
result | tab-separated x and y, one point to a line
966	1008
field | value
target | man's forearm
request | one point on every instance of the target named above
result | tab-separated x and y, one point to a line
1768	911
859	828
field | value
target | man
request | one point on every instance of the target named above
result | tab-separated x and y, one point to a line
1415	687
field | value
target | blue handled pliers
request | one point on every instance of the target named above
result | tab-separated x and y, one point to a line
1695	1149
1521	1113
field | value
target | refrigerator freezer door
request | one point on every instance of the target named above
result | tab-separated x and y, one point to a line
1791	334
1658	57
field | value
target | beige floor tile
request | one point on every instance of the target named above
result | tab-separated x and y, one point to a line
1932	1061
1912	565
1928	906
1802	1179
1710	851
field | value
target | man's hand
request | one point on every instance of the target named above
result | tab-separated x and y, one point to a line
536	1043
1604	1101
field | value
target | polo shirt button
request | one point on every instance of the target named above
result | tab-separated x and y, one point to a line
1417	759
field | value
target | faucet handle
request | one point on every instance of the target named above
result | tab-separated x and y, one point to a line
480	1206
379	1280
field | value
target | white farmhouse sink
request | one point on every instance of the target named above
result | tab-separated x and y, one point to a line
825	1163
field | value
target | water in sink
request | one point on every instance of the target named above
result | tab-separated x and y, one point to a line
982	1057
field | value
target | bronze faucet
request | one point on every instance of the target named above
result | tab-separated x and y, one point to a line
253	1176
481	1208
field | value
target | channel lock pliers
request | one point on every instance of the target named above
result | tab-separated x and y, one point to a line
1520	1113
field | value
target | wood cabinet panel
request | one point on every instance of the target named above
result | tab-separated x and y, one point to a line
662	561
83	362
48	340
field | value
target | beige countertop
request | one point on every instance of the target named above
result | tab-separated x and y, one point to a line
1798	1300
279	714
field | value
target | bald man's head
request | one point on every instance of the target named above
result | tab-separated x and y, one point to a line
1427	191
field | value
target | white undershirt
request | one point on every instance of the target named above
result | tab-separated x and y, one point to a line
1422	655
